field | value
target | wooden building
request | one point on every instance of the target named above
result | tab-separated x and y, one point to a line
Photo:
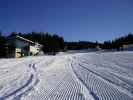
20	47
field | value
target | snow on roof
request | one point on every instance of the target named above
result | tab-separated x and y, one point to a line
19	37
24	39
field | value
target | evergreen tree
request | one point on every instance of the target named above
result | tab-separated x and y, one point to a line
2	46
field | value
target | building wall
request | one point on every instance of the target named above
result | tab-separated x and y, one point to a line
34	50
24	46
128	47
20	44
18	53
18	48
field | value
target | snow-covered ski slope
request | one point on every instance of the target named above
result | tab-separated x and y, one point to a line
81	76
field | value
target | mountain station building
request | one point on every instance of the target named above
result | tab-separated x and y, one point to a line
20	47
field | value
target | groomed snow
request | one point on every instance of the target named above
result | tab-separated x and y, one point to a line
80	76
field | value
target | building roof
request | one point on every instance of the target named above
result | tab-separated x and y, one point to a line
24	39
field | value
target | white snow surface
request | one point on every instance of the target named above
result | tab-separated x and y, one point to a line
80	76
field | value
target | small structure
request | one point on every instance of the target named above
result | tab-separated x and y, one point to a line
19	47
98	47
128	47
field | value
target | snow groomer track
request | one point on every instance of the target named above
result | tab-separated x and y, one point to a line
80	76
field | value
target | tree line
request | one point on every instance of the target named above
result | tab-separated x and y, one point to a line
118	42
54	43
80	45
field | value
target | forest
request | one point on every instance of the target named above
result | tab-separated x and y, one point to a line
53	43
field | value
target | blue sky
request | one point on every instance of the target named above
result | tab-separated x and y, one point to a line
73	19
